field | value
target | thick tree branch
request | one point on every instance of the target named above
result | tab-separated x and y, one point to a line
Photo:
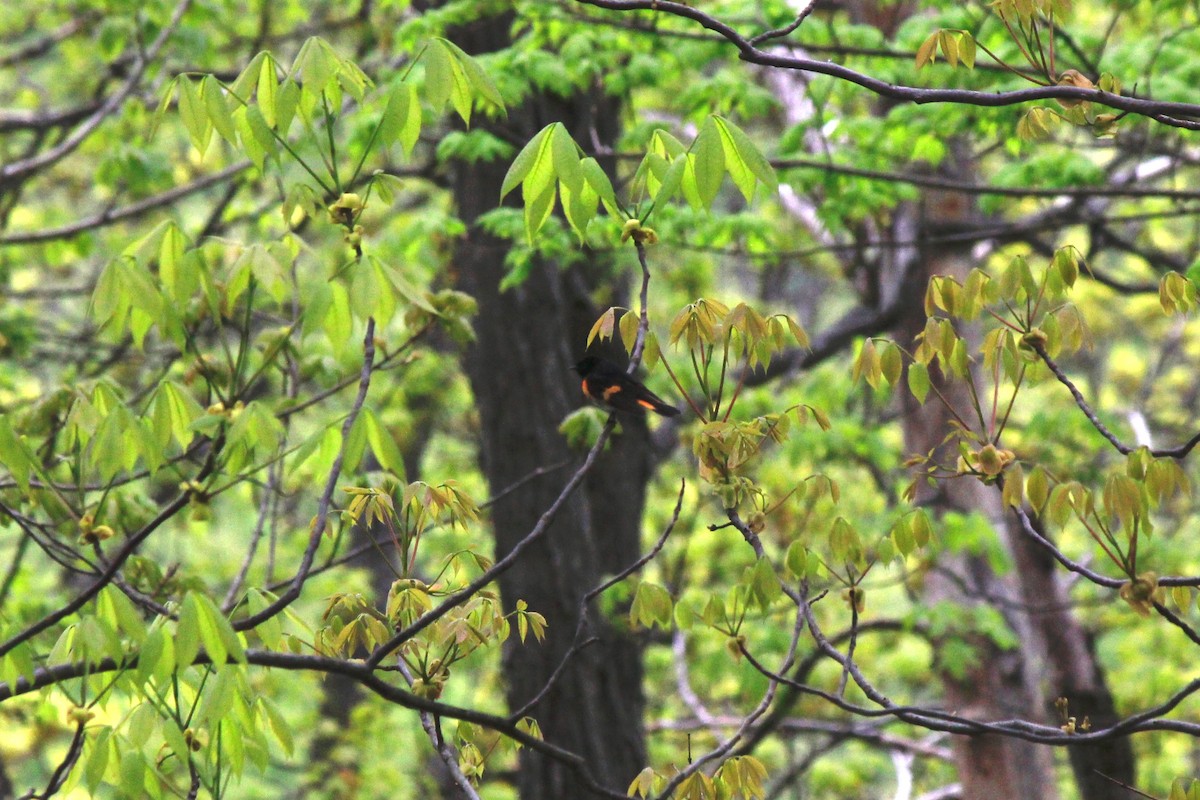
1174	114
353	669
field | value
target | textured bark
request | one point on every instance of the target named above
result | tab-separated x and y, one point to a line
519	368
1073	673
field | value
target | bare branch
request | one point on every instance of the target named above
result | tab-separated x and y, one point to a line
335	472
110	216
354	670
1181	115
443	748
1124	449
19	170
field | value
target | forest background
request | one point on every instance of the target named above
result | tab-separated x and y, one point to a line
299	497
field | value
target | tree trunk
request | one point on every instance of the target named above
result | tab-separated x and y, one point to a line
519	369
1074	672
999	684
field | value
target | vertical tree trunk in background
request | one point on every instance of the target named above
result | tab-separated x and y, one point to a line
1054	658
999	684
1074	672
519	368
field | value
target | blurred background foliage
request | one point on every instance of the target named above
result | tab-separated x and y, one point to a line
269	307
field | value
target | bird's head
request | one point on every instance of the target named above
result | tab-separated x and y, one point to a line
586	365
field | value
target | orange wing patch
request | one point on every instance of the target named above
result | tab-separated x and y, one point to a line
610	391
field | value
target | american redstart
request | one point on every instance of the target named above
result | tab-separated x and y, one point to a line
608	385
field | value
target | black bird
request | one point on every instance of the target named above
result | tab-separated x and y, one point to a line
608	385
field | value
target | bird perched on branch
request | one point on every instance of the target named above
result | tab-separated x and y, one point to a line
608	385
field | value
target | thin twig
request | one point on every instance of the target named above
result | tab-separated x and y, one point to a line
581	626
74	750
112	215
788	29
274	475
1089	412
443	748
18	170
323	506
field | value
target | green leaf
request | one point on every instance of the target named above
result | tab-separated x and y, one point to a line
267	89
796	560
628	327
178	281
918	380
401	120
565	157
249	77
450	78
439	75
217	623
579	207
251	144
890	363
671	179
927	52
174	738
538	211
1014	486
651	606
708	162
15	454
966	49
151	653
764	584
524	163
745	163
478	78
1037	489
165	96
279	726
195	117
314	66
217	109
286	102
383	445
97	760
218	698
131	780
597	178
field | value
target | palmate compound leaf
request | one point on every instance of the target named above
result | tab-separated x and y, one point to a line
746	165
651	606
453	75
549	164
